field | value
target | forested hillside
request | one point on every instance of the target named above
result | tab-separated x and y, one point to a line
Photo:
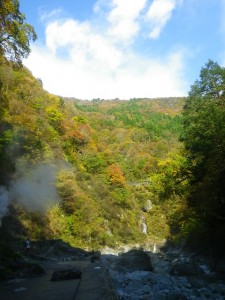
104	173
101	160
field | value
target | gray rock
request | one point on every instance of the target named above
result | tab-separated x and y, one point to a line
148	206
176	296
197	281
164	279
186	269
134	260
176	276
95	256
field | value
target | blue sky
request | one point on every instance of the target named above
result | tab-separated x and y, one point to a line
123	48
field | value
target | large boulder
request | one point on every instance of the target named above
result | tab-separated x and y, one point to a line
186	269
134	260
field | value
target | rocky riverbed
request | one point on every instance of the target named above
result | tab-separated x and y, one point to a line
142	275
136	274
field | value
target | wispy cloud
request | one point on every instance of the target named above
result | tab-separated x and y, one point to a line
159	14
89	61
44	15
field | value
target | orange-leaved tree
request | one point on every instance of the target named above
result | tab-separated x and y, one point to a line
115	175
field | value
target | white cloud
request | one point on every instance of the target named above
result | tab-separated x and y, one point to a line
134	77
159	14
80	60
123	19
82	44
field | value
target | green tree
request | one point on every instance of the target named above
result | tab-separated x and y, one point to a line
204	141
168	182
211	82
15	33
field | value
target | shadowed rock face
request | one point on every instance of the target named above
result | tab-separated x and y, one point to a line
50	250
186	269
134	260
56	250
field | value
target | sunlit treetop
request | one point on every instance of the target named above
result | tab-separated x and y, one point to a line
15	33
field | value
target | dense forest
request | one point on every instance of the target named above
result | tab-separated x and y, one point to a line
108	172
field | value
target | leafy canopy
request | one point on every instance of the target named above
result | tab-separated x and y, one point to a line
204	141
15	33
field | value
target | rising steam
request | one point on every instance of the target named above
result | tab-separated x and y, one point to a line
33	188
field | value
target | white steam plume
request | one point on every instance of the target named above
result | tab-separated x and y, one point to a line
35	189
